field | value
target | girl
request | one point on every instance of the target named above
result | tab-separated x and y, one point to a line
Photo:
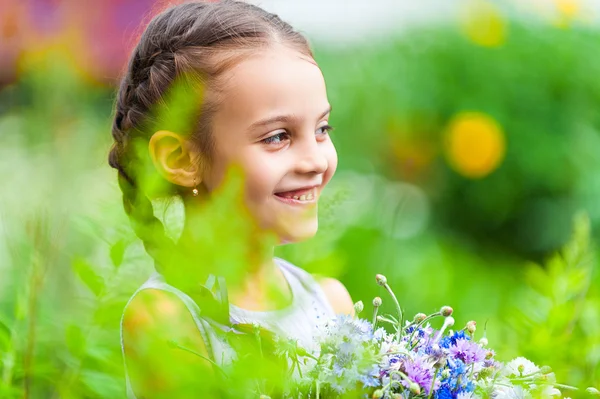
263	108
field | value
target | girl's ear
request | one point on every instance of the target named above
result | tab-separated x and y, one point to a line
174	159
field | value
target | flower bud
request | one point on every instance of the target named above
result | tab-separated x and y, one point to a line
381	279
546	369
419	317
172	343
489	355
396	396
483	341
377	302
301	351
380	319
415	388
486	372
593	391
521	368
358	307
472	326
449	321
446	311
378	394
445	374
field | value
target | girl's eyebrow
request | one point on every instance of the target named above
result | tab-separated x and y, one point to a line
281	118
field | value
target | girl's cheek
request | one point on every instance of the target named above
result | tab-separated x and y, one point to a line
332	163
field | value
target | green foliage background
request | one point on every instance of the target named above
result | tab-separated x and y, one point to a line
497	249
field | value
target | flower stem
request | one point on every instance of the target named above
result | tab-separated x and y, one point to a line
566	387
389	289
199	355
375	310
385	319
432	384
431	316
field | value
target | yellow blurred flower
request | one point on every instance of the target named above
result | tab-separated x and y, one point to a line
484	24
474	145
568	11
568	8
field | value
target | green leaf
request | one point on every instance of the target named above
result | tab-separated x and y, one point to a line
117	251
102	384
5	334
86	273
75	340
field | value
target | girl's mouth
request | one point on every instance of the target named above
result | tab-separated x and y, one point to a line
302	196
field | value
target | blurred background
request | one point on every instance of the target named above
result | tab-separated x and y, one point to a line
468	134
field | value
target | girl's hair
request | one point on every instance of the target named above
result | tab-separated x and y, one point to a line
196	43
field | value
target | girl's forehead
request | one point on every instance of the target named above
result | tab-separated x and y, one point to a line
274	81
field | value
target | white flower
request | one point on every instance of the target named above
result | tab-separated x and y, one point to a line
379	334
547	391
393	347
510	392
520	366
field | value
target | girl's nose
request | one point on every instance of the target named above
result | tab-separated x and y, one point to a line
311	158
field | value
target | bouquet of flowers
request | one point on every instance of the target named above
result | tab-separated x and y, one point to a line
356	358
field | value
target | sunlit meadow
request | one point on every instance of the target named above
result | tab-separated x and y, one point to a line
469	175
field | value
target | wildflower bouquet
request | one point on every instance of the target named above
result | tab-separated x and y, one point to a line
358	358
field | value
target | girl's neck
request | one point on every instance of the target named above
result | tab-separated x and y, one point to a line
255	282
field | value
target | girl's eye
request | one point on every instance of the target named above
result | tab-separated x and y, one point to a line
324	130
276	138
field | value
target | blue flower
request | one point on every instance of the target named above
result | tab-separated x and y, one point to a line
444	392
448	341
370	378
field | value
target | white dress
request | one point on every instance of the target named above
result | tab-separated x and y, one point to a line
298	321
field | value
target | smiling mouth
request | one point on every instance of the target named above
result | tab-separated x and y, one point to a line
302	196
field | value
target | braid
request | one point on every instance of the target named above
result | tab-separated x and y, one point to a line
130	111
145	225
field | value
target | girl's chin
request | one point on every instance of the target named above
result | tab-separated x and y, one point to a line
299	232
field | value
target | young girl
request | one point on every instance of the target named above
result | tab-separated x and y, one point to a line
264	108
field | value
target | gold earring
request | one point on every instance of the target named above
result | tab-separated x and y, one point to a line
195	190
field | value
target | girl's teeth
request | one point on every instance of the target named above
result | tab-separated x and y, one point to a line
304	197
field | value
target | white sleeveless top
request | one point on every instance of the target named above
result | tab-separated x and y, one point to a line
298	321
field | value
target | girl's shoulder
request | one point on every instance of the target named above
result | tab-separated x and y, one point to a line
338	295
152	321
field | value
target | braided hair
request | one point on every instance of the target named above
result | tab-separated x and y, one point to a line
192	43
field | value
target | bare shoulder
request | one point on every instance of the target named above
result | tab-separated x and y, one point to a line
153	321
337	294
151	310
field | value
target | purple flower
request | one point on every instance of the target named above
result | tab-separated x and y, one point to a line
420	372
467	351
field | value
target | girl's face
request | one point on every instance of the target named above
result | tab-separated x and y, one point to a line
273	122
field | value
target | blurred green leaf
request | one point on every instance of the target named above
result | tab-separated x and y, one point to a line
75	340
117	251
102	384
5	334
88	275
